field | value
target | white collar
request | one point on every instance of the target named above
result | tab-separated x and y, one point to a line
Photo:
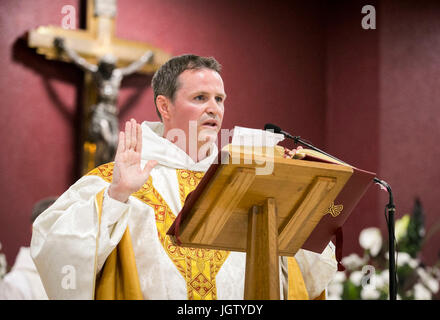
166	153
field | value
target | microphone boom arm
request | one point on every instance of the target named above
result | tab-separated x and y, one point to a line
298	139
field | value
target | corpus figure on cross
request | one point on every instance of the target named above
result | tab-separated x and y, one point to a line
104	127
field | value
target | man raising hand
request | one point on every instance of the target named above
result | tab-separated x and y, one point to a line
128	176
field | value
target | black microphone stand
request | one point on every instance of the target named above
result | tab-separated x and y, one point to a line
390	208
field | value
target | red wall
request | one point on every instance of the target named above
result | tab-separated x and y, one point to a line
352	112
410	108
37	116
272	57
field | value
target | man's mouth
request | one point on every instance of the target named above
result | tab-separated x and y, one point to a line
210	123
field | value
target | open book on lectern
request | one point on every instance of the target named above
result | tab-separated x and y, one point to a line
314	197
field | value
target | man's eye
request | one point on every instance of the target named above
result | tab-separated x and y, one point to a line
219	99
199	98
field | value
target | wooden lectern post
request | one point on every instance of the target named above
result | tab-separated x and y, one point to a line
262	263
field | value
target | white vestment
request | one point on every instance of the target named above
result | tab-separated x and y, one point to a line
23	281
65	236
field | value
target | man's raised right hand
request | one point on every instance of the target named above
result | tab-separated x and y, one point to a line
128	176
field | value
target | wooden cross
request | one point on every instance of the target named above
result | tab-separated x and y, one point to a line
97	40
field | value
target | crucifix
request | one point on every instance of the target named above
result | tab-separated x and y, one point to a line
98	52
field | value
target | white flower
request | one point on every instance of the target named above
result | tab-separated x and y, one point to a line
339	276
434	271
331	297
370	293
356	277
371	239
380	282
404	258
428	280
335	290
384	277
421	293
353	261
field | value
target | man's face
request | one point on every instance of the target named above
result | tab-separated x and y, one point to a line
199	99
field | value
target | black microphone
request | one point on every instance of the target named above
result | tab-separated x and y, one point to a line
276	129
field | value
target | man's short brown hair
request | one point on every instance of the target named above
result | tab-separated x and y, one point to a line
165	80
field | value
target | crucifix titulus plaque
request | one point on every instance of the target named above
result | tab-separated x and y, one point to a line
105	60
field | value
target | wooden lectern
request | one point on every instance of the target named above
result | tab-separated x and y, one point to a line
265	215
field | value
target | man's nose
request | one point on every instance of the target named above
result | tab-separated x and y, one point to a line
214	108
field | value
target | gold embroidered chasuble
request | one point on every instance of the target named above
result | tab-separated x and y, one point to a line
119	279
198	267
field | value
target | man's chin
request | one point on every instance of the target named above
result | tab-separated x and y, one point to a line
206	142
208	135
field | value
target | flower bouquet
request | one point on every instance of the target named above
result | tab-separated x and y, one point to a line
367	277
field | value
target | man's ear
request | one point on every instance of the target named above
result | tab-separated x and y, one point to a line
163	106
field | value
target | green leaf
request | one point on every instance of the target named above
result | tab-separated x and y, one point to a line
351	292
412	241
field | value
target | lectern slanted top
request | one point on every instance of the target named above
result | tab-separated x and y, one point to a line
215	214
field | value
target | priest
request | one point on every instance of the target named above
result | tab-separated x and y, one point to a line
105	237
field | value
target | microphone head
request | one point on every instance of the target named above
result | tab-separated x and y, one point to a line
270	126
